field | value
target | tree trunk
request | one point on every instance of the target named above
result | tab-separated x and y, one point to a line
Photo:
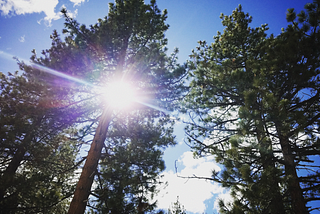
276	202
82	192
296	194
8	175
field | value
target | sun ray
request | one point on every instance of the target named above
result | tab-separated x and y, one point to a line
119	94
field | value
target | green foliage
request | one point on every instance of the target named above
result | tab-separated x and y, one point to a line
257	99
127	44
130	167
36	151
40	111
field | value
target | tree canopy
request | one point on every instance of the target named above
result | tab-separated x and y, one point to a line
37	148
128	44
254	99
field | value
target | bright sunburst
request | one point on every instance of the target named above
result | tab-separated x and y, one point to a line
119	94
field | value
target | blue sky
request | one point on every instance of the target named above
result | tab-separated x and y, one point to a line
27	25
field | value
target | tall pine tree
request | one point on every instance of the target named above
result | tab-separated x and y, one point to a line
255	101
127	44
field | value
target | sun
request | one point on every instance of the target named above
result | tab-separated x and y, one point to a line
119	94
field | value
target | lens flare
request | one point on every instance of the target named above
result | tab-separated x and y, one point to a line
118	94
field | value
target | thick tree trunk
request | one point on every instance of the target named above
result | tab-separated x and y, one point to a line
276	202
296	194
82	192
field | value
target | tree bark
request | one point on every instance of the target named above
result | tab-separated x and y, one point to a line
296	194
276	202
82	192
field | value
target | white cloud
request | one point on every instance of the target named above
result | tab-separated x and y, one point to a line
21	7
181	142
77	2
22	38
192	192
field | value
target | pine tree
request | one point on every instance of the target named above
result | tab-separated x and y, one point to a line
127	44
246	97
36	151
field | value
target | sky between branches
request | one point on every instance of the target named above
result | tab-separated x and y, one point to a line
27	25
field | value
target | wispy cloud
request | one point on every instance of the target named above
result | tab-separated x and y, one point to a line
22	38
77	2
21	7
192	192
72	14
